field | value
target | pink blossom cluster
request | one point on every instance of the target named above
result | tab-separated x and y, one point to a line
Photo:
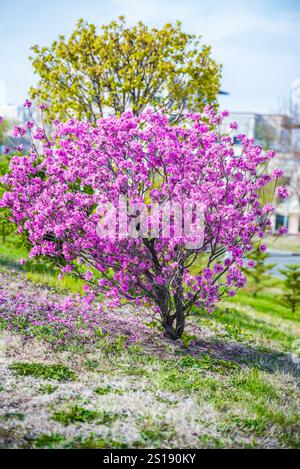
53	193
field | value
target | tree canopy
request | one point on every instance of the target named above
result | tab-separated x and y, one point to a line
92	74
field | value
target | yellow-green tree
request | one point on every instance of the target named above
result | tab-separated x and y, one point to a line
4	126
123	67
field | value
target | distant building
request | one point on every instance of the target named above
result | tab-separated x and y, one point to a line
280	133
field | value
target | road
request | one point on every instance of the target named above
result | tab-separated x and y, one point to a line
281	258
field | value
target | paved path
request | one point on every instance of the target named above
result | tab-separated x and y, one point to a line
281	258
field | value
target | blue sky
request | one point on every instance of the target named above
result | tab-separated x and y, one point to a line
257	41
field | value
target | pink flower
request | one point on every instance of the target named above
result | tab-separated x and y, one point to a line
231	293
19	131
88	276
54	195
27	103
277	173
282	192
233	125
267	208
23	261
282	230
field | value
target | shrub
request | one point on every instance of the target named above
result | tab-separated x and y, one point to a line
258	269
292	283
60	195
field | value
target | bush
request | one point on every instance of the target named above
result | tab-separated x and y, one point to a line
257	268
292	283
186	197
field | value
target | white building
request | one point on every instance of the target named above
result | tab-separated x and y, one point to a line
9	111
281	133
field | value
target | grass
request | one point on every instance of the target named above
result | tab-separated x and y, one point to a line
264	303
92	441
47	389
206	362
77	414
12	415
231	384
44	274
284	243
103	390
48	441
67	283
40	370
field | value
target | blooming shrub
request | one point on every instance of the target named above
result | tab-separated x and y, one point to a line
56	194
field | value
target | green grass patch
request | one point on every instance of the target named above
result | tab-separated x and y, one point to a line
95	442
67	283
243	328
154	432
103	390
206	362
40	370
12	415
48	441
47	389
77	414
264	303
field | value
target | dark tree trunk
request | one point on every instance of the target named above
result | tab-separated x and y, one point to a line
171	310
174	321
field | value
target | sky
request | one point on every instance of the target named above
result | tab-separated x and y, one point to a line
257	41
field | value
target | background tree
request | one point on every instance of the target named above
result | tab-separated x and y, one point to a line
259	270
4	126
292	284
90	74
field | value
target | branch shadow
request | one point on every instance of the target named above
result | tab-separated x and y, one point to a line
270	360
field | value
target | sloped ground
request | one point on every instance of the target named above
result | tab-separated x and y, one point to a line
232	382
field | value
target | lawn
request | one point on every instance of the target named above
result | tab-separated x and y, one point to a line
87	381
284	243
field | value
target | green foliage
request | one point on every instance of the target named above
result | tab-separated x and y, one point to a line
259	273
47	389
39	370
12	415
95	442
155	432
91	364
4	126
77	414
206	362
292	284
103	390
122	67
187	339
48	441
